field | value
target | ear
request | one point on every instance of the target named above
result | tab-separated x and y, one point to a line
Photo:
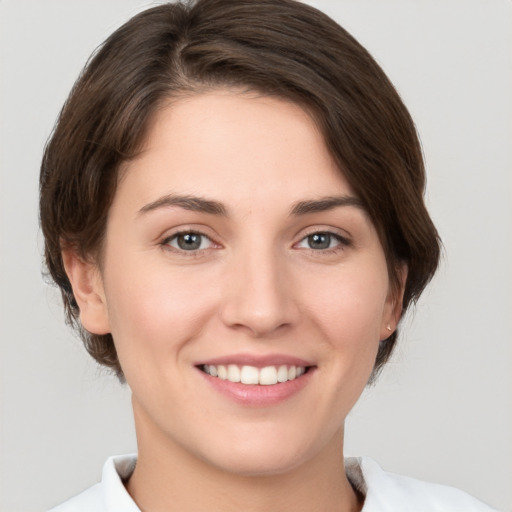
87	284
393	306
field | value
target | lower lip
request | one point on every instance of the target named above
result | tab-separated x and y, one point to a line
258	395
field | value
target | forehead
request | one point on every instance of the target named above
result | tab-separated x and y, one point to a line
233	145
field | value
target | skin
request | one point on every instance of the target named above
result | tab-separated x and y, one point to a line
255	286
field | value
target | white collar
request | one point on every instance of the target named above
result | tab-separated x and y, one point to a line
116	470
383	491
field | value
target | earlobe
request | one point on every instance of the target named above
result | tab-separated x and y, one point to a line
88	291
393	310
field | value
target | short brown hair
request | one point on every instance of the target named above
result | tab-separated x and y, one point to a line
281	48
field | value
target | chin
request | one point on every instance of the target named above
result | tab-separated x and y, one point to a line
260	455
250	464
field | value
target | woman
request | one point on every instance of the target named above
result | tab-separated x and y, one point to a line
232	207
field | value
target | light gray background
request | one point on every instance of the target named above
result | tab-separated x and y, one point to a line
441	411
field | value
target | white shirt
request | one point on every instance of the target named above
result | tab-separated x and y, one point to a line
384	492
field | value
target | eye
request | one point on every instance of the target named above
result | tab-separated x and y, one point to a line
189	241
321	241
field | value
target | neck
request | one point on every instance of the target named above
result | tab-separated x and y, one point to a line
169	478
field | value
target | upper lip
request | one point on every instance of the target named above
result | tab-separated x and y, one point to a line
258	361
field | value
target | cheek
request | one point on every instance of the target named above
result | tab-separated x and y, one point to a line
154	311
350	305
349	310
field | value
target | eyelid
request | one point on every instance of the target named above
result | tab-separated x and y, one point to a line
165	239
203	239
340	234
343	239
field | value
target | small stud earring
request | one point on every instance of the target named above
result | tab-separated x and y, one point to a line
389	328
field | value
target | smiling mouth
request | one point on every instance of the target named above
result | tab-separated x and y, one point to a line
251	375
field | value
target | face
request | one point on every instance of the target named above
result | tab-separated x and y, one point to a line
235	249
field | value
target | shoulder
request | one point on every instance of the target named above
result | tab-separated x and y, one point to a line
388	492
110	494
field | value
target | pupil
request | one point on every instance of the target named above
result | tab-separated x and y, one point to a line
189	241
319	241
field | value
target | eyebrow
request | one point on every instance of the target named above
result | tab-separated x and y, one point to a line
326	203
193	203
199	204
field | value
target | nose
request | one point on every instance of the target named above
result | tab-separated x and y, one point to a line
259	296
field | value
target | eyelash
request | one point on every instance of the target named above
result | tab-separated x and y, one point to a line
166	243
342	243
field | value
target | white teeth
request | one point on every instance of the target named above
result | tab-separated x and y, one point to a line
233	373
282	373
249	375
221	371
252	375
268	376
